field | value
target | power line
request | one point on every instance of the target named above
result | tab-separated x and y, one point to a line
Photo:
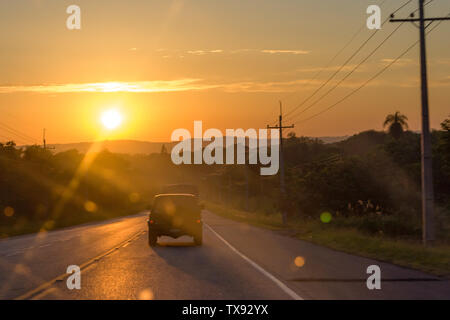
17	133
349	74
332	60
419	8
17	136
345	63
368	81
428	217
335	56
6	139
354	69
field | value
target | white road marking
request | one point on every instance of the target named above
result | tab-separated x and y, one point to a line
279	283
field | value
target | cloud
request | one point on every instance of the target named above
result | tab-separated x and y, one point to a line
331	68
442	82
187	84
238	51
203	52
295	52
272	86
445	62
191	84
399	63
139	86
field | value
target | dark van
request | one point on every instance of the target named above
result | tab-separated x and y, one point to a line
175	215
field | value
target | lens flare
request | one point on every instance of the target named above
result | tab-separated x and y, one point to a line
299	261
326	217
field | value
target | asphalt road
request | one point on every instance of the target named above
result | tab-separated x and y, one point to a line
236	261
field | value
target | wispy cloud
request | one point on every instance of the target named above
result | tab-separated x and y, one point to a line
296	52
442	82
190	84
399	63
330	68
203	52
271	86
445	62
139	86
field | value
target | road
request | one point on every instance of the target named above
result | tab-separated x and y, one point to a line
236	261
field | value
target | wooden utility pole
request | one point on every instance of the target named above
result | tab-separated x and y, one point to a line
428	223
247	206
282	182
44	141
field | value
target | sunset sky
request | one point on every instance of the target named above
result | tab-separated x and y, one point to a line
165	63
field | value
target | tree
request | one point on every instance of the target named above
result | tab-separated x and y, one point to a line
291	135
397	123
446	125
444	143
9	150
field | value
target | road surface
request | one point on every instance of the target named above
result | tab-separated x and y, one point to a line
236	261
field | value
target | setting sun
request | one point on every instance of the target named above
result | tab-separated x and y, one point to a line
111	119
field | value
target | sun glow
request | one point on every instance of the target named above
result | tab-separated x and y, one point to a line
111	119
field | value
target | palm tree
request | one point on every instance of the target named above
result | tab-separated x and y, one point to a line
397	123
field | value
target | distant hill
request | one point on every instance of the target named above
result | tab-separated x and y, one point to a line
140	147
332	139
116	146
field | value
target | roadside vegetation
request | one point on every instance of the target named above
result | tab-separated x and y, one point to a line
371	181
338	235
366	188
42	191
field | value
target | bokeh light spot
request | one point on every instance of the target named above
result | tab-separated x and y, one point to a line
134	197
90	206
326	217
48	225
146	294
8	211
299	261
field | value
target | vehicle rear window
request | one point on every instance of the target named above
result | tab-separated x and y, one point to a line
174	205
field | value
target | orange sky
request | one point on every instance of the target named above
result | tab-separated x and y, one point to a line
164	64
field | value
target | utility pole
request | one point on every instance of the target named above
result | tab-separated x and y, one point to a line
247	207
282	182
43	138
428	223
45	141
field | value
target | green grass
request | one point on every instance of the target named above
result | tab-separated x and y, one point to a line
407	253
